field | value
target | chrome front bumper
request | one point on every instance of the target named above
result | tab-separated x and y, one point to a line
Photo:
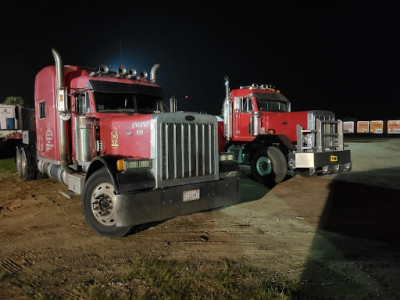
331	161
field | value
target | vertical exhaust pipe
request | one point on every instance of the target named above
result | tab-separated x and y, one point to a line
59	70
63	115
153	73
173	104
227	112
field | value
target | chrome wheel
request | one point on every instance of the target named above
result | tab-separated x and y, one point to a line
103	204
23	163
18	161
263	166
268	165
99	205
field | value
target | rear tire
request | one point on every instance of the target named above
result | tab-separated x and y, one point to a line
99	205
269	165
18	162
27	164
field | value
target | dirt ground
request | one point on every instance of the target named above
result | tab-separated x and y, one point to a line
336	236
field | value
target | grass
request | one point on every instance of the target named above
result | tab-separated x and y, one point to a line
7	167
3	275
164	279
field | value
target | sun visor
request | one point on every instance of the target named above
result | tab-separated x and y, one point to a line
271	96
117	87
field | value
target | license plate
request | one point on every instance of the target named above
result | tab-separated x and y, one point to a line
191	195
333	158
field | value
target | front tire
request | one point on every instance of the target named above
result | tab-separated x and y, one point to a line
269	165
99	205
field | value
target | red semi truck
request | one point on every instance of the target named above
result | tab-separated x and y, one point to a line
260	129
106	136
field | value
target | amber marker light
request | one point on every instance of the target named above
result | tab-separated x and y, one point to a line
120	164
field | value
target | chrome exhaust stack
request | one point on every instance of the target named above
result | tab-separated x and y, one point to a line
153	73
227	113
59	72
63	115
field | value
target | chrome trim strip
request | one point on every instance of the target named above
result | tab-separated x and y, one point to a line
174	149
183	150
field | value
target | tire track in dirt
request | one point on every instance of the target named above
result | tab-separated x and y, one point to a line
17	250
10	266
18	262
7	211
21	275
21	266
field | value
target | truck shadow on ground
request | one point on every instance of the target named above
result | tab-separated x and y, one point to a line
355	251
251	190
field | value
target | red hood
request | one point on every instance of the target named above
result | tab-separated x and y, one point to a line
285	123
126	135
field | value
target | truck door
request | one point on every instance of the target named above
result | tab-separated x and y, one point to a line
46	129
242	114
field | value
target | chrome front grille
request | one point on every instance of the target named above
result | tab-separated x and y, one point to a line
324	133
187	151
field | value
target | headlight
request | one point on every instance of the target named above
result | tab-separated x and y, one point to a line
130	164
226	156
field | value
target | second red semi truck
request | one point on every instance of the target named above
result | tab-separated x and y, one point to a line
106	136
260	129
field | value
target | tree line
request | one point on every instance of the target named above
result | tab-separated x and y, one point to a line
16	100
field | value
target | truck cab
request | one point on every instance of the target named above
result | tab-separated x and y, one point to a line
256	110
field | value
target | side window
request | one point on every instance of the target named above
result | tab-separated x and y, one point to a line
82	104
42	110
243	104
237	103
247	105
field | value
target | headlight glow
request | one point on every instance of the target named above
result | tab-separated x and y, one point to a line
129	164
225	156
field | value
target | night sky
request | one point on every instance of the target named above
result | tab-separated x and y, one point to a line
341	56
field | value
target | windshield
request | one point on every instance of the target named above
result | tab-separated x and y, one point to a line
127	103
275	102
271	105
